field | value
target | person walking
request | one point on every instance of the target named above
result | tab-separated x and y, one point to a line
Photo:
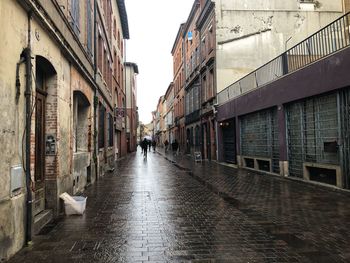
154	144
144	146
175	146
166	143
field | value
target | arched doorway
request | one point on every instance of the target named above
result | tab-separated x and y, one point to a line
81	141
45	129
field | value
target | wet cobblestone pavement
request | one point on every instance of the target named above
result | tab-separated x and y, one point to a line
154	211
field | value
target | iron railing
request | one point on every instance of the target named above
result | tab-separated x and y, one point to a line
324	42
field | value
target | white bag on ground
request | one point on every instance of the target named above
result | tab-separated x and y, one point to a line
74	205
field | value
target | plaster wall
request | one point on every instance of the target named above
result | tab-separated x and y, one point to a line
323	5
60	95
250	34
13	37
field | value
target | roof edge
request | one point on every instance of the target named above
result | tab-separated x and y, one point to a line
123	18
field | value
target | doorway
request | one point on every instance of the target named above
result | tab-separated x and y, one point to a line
40	102
44	136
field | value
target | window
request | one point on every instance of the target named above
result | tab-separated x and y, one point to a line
118	75
118	39
89	27
211	84
115	29
211	39
81	122
105	65
110	130
121	75
115	65
101	126
75	16
100	54
204	89
109	19
203	49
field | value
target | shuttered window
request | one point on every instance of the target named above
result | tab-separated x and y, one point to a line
75	16
110	130
101	127
89	27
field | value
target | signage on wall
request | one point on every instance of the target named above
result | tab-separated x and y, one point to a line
119	112
189	35
197	156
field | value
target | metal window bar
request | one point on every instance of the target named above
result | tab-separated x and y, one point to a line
259	136
311	124
330	39
344	98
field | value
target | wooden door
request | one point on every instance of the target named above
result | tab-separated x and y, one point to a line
39	204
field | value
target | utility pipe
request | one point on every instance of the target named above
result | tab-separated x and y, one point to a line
18	83
27	94
95	102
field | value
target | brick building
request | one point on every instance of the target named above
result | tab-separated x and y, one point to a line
131	71
192	80
179	91
207	68
168	114
59	83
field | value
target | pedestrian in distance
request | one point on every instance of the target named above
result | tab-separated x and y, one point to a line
175	146
144	146
149	145
141	146
166	143
154	144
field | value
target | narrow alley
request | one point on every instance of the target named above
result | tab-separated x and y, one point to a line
157	210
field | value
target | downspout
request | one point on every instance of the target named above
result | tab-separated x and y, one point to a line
126	99
27	94
95	90
18	83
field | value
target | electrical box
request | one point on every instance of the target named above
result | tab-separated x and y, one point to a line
50	144
17	180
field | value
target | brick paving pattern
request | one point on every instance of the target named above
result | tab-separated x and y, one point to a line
154	211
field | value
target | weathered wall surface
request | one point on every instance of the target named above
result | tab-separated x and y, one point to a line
60	115
59	121
249	34
13	35
82	156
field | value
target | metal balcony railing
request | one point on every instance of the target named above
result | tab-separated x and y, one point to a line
324	42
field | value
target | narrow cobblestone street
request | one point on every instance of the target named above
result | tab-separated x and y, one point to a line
154	211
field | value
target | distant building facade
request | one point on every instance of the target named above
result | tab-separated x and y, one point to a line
131	107
192	80
179	89
168	108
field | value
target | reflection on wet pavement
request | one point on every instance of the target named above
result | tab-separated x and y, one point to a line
152	211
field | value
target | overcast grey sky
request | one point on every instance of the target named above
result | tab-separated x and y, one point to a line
153	25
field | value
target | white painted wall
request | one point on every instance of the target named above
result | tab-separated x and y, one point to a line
251	33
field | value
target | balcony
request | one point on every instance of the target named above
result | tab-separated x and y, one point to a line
330	39
192	117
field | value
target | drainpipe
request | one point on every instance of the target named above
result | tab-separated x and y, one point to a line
18	83
95	90
27	94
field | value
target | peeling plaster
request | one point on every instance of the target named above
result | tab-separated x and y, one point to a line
299	20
